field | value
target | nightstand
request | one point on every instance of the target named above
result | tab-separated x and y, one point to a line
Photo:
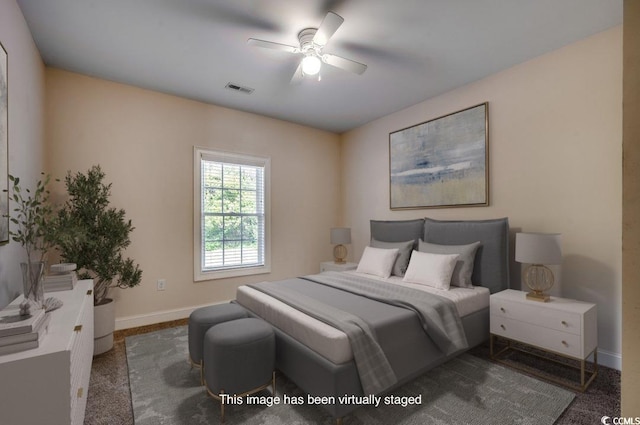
562	326
335	267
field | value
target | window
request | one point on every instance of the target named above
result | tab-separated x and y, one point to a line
231	223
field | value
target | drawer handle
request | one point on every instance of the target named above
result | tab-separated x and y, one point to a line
503	328
80	392
78	328
565	324
565	343
90	291
503	310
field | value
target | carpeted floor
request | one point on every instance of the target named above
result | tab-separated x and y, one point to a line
465	390
109	400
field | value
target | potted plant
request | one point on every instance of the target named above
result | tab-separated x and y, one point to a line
96	236
32	217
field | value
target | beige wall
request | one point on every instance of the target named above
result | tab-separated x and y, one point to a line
144	142
26	126
555	149
631	212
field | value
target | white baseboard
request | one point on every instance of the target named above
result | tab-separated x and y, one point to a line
609	359
157	317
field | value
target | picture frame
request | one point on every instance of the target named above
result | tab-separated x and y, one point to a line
4	146
441	163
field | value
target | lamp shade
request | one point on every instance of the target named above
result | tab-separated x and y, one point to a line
538	248
340	235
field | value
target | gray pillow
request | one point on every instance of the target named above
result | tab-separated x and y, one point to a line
464	266
404	252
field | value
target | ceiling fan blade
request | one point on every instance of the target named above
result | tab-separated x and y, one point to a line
328	27
346	64
298	76
272	45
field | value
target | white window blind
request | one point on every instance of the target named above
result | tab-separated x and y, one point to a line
232	215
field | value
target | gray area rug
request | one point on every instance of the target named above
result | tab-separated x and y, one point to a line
465	390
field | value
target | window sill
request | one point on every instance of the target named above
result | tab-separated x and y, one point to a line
224	274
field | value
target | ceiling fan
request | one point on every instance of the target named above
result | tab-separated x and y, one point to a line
312	41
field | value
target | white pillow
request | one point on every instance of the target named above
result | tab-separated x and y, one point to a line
464	267
433	270
377	261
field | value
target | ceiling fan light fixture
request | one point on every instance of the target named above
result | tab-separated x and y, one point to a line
311	65
312	42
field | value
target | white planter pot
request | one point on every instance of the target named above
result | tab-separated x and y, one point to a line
104	323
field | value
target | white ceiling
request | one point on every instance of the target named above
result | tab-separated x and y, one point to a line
414	49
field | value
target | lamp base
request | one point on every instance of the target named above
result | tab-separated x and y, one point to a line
538	296
539	278
339	254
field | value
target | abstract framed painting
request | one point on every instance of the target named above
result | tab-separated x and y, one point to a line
4	146
441	163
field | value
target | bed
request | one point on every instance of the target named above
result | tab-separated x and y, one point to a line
323	360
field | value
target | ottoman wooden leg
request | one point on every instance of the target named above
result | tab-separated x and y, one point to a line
219	397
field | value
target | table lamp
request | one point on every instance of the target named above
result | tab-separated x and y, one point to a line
340	236
538	250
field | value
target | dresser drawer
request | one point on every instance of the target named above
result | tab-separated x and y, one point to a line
563	321
560	342
81	359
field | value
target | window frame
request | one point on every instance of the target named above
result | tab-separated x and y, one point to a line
201	153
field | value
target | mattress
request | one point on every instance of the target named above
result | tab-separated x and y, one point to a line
328	341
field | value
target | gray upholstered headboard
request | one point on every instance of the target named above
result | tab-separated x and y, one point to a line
398	230
491	267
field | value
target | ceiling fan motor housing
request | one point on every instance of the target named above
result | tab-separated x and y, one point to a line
306	40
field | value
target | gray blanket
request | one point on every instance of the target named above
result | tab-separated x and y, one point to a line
438	317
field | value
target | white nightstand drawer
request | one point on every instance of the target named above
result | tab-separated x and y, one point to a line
530	312
560	342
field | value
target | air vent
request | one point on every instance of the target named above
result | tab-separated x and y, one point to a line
238	88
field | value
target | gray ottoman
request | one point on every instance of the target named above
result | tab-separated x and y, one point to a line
202	319
239	358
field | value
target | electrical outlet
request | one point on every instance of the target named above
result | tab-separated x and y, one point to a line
162	284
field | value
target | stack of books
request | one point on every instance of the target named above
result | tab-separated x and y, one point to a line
60	281
18	333
62	278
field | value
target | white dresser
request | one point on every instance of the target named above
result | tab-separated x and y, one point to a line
561	326
49	384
